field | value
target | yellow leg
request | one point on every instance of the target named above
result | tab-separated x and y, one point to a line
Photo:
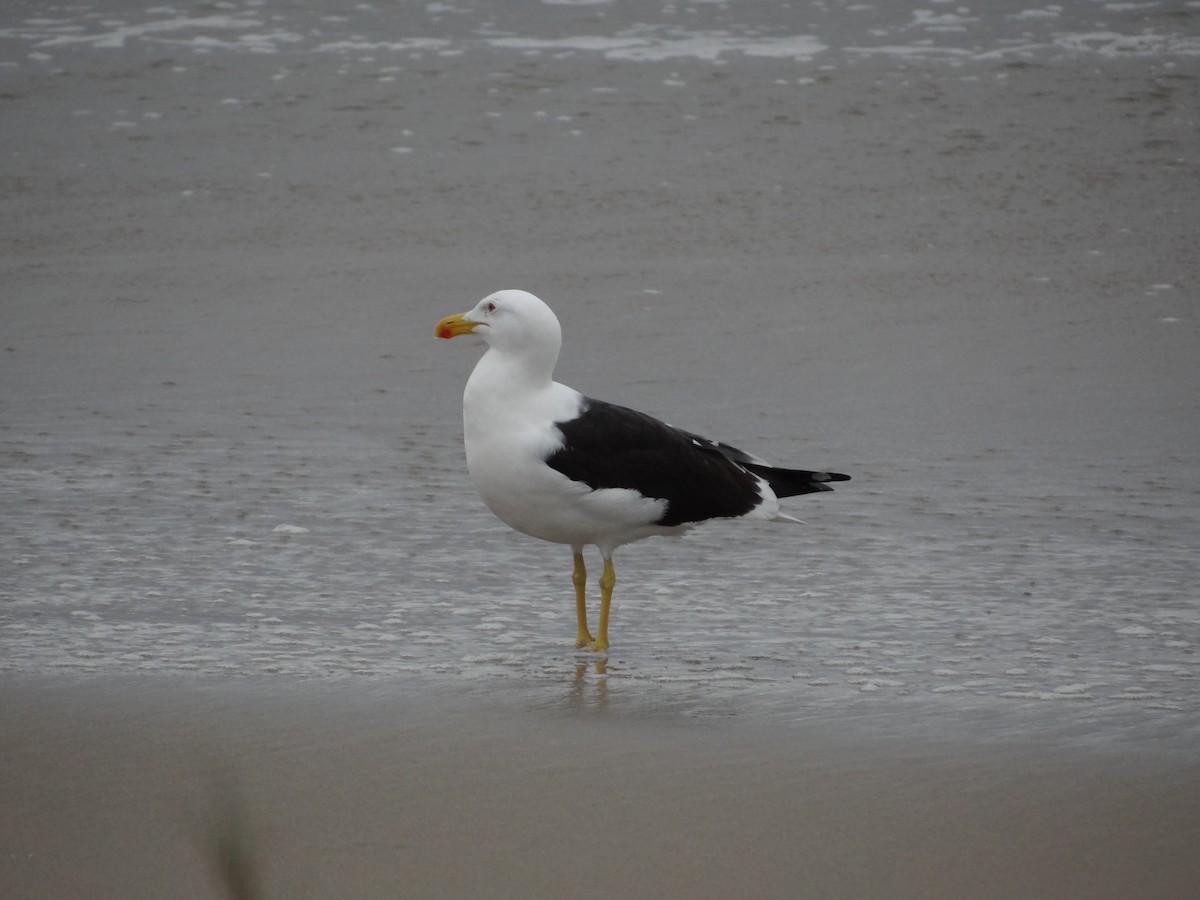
579	579
607	580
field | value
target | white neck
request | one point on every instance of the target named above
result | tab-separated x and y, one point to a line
509	373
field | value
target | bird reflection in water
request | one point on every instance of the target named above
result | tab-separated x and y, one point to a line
597	696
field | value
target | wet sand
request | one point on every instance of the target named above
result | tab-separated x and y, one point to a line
124	788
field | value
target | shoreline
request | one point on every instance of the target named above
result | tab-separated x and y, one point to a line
118	789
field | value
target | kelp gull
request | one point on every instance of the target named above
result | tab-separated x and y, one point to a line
563	467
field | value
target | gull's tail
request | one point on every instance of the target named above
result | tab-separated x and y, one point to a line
793	482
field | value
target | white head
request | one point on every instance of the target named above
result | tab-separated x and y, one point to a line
513	323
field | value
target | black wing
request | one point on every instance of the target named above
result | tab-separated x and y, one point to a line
609	446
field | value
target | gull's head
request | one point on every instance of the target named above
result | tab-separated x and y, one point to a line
507	320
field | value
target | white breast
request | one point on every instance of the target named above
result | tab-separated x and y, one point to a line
509	435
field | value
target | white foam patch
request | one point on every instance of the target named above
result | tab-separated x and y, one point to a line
1136	631
1111	43
931	21
1045	695
117	37
1049	12
406	45
644	45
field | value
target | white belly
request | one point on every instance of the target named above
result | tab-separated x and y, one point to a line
529	496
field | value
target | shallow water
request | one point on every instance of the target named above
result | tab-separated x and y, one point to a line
227	450
195	558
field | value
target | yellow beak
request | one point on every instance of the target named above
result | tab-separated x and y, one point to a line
453	326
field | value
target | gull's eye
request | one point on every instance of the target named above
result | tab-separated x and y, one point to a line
491	307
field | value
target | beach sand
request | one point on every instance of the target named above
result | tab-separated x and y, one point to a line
125	788
238	536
